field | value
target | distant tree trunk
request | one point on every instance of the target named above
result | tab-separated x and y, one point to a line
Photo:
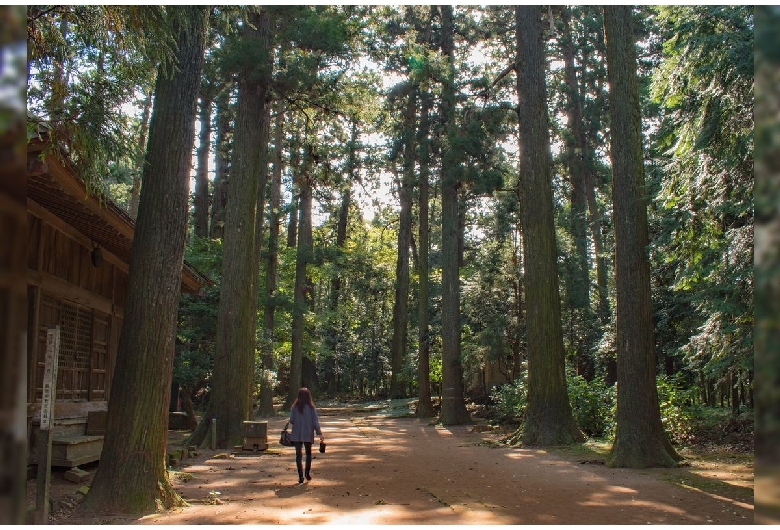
549	419
266	407
189	409
201	200
594	214
302	294
519	307
580	282
401	305
221	165
230	397
137	429
295	168
334	324
453	406
292	223
424	405
640	440
136	190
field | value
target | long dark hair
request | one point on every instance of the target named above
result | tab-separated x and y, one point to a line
304	398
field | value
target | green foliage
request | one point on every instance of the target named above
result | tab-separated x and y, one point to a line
702	216
86	63
594	405
675	399
508	402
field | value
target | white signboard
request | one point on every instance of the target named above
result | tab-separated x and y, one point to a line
50	376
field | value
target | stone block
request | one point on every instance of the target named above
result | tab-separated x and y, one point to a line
76	475
83	490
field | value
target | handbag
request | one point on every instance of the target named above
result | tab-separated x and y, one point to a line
284	439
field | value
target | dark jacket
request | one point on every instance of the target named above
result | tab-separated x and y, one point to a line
304	424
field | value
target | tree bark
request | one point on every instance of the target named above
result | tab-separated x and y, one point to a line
189	409
221	165
231	397
266	407
263	139
453	406
302	295
549	420
137	429
640	440
401	305
580	282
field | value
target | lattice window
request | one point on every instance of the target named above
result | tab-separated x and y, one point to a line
82	361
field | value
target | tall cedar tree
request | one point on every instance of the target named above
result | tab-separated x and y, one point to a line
137	429
575	156
424	404
401	305
549	419
266	407
201	198
453	406
303	256
640	440
230	398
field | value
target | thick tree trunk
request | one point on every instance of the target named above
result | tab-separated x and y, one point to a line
263	138
266	407
221	165
424	404
201	200
231	398
137	429
549	420
401	305
453	406
640	440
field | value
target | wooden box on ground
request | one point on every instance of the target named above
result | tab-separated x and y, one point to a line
255	435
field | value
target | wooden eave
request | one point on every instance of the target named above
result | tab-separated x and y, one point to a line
53	185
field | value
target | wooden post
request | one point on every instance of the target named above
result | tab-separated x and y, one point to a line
19	428
47	412
213	433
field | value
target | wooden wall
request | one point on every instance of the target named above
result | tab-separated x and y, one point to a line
65	288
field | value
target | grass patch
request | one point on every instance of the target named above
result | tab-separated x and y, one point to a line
591	451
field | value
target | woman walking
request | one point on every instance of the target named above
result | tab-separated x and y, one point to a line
305	422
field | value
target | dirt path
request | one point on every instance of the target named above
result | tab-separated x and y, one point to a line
383	470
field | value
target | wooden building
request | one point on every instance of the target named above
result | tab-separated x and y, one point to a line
78	255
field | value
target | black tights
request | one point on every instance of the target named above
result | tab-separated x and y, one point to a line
299	458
